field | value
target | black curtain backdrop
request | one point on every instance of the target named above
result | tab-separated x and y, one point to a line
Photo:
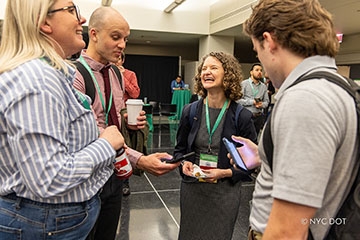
154	74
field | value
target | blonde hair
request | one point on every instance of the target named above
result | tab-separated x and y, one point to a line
22	39
302	26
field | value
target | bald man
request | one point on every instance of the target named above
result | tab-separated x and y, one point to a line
108	34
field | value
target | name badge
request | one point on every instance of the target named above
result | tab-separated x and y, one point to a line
208	161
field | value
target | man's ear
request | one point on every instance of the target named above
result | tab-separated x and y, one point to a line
45	27
270	41
93	34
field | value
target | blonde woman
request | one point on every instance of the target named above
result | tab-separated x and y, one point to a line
53	161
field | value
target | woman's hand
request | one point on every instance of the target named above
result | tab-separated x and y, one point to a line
212	175
188	168
113	136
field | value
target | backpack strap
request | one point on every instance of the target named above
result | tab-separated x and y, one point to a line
352	88
193	107
118	74
89	84
347	208
267	141
239	108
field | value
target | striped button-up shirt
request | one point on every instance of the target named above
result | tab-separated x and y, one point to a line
49	146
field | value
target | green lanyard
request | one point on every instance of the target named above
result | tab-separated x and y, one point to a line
82	98
255	92
217	122
86	65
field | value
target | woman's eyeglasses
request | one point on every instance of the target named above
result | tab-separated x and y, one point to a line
77	11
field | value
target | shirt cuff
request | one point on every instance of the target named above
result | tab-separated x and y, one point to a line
133	156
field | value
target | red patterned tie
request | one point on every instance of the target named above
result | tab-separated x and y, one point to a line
112	118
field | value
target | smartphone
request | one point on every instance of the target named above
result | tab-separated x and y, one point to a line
173	160
235	155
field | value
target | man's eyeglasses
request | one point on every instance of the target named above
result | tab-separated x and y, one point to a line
77	11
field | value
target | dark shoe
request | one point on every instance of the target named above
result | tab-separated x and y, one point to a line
126	190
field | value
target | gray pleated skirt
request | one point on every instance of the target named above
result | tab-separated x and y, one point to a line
208	211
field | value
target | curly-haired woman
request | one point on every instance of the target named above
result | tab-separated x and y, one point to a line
209	206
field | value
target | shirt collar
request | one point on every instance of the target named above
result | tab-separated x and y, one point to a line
94	65
310	64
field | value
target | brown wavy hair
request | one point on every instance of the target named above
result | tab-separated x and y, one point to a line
302	26
232	76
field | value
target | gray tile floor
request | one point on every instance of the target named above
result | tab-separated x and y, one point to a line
152	210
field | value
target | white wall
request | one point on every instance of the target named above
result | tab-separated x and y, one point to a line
189	73
216	43
186	53
225	14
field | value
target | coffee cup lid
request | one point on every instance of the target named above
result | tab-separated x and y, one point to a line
134	102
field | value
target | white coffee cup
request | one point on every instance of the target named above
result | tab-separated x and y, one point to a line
134	106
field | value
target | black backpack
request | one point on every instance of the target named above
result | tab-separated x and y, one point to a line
350	209
89	84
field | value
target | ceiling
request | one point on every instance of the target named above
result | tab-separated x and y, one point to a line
346	14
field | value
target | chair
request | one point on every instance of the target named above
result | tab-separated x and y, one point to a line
148	108
155	108
169	110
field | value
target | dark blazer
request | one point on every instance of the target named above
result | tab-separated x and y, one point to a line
187	132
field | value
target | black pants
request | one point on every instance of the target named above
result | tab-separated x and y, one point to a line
107	222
